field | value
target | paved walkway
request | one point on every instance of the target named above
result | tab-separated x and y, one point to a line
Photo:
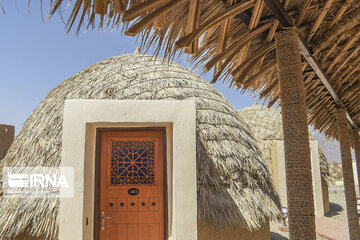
331	229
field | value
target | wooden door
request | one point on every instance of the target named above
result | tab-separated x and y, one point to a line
131	201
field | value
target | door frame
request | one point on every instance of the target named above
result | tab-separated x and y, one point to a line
82	117
97	175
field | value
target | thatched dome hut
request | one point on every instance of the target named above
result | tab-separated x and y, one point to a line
266	125
235	186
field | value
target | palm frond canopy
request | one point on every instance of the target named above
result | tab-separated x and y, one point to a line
236	39
235	185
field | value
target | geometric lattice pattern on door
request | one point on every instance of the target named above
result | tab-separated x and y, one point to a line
132	163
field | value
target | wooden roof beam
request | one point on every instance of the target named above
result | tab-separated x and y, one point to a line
280	13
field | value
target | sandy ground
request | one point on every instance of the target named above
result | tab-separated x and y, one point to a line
277	235
337	205
337	211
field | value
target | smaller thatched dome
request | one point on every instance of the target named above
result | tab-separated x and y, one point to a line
266	125
235	186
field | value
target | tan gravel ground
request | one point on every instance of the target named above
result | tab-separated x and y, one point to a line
337	205
337	211
277	235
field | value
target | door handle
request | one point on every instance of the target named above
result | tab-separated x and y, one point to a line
102	220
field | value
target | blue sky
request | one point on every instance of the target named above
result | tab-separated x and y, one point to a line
37	55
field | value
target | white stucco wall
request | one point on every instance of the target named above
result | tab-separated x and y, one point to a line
281	172
278	149
316	176
83	117
355	173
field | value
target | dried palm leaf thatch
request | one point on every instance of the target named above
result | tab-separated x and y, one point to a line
348	22
235	185
235	38
335	172
266	124
324	167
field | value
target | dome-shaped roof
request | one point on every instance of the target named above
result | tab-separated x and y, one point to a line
234	183
266	125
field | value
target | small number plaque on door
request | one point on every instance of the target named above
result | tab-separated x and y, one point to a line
133	191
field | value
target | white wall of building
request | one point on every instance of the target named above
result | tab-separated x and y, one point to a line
83	117
278	153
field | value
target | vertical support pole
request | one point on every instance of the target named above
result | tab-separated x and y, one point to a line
7	133
316	176
296	137
348	175
356	139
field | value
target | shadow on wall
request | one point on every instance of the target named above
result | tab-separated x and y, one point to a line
276	236
335	210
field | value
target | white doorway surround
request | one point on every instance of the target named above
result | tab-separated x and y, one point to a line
82	118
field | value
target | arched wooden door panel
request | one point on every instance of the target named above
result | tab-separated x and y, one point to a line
131	185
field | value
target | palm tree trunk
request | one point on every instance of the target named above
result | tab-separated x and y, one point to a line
348	175
296	137
356	139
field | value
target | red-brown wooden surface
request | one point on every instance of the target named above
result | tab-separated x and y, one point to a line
139	217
